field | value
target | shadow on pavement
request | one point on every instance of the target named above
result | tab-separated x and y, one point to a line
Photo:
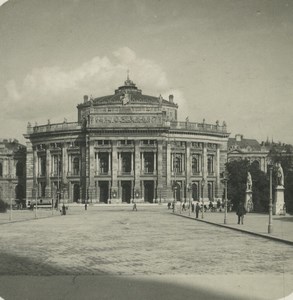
22	278
285	219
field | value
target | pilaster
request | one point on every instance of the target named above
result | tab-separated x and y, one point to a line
48	172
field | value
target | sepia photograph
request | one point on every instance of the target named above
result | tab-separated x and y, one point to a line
146	149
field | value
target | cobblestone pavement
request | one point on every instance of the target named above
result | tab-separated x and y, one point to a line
150	242
282	226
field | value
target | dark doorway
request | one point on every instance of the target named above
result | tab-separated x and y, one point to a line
76	192
177	191
149	191
104	191
194	192
126	191
19	192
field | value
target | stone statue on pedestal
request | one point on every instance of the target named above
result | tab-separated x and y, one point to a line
280	175
249	182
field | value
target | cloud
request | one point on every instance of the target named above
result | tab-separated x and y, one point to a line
53	92
3	1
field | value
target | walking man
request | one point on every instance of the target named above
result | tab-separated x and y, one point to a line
197	209
241	211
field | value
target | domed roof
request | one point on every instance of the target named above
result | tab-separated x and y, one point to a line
128	94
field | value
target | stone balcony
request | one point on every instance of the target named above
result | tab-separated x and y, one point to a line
53	127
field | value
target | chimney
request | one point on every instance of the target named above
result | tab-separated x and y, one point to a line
171	98
85	98
239	137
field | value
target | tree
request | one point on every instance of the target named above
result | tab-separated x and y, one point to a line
237	175
260	188
237	179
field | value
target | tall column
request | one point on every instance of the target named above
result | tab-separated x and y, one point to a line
205	168
30	175
109	165
159	170
137	166
168	175
217	191
188	163
91	171
64	171
142	163
115	167
48	172
131	157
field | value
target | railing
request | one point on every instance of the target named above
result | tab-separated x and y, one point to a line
123	173
198	126
147	172
102	173
53	127
75	174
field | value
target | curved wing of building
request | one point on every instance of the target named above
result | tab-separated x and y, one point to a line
126	147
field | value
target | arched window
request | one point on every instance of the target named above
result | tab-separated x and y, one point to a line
104	163
57	164
43	189
126	162
195	168
43	165
210	164
76	166
19	169
210	191
194	191
1	170
149	163
177	164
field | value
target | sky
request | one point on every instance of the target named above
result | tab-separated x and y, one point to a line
228	60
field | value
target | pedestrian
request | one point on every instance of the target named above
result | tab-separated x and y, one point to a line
241	211
197	209
134	206
192	207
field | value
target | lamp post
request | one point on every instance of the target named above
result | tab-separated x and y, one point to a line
225	180
175	190
189	191
10	212
270	226
36	206
202	186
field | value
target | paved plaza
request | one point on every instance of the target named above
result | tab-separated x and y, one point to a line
112	252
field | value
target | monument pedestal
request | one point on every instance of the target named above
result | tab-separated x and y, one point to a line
248	204
279	204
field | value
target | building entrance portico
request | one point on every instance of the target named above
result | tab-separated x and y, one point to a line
104	191
149	191
76	192
126	191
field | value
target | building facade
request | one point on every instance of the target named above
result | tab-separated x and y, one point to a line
249	149
12	171
124	147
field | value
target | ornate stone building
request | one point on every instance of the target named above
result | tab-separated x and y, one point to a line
12	171
124	147
250	149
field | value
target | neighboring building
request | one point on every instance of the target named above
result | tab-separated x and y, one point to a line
250	149
12	171
124	147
